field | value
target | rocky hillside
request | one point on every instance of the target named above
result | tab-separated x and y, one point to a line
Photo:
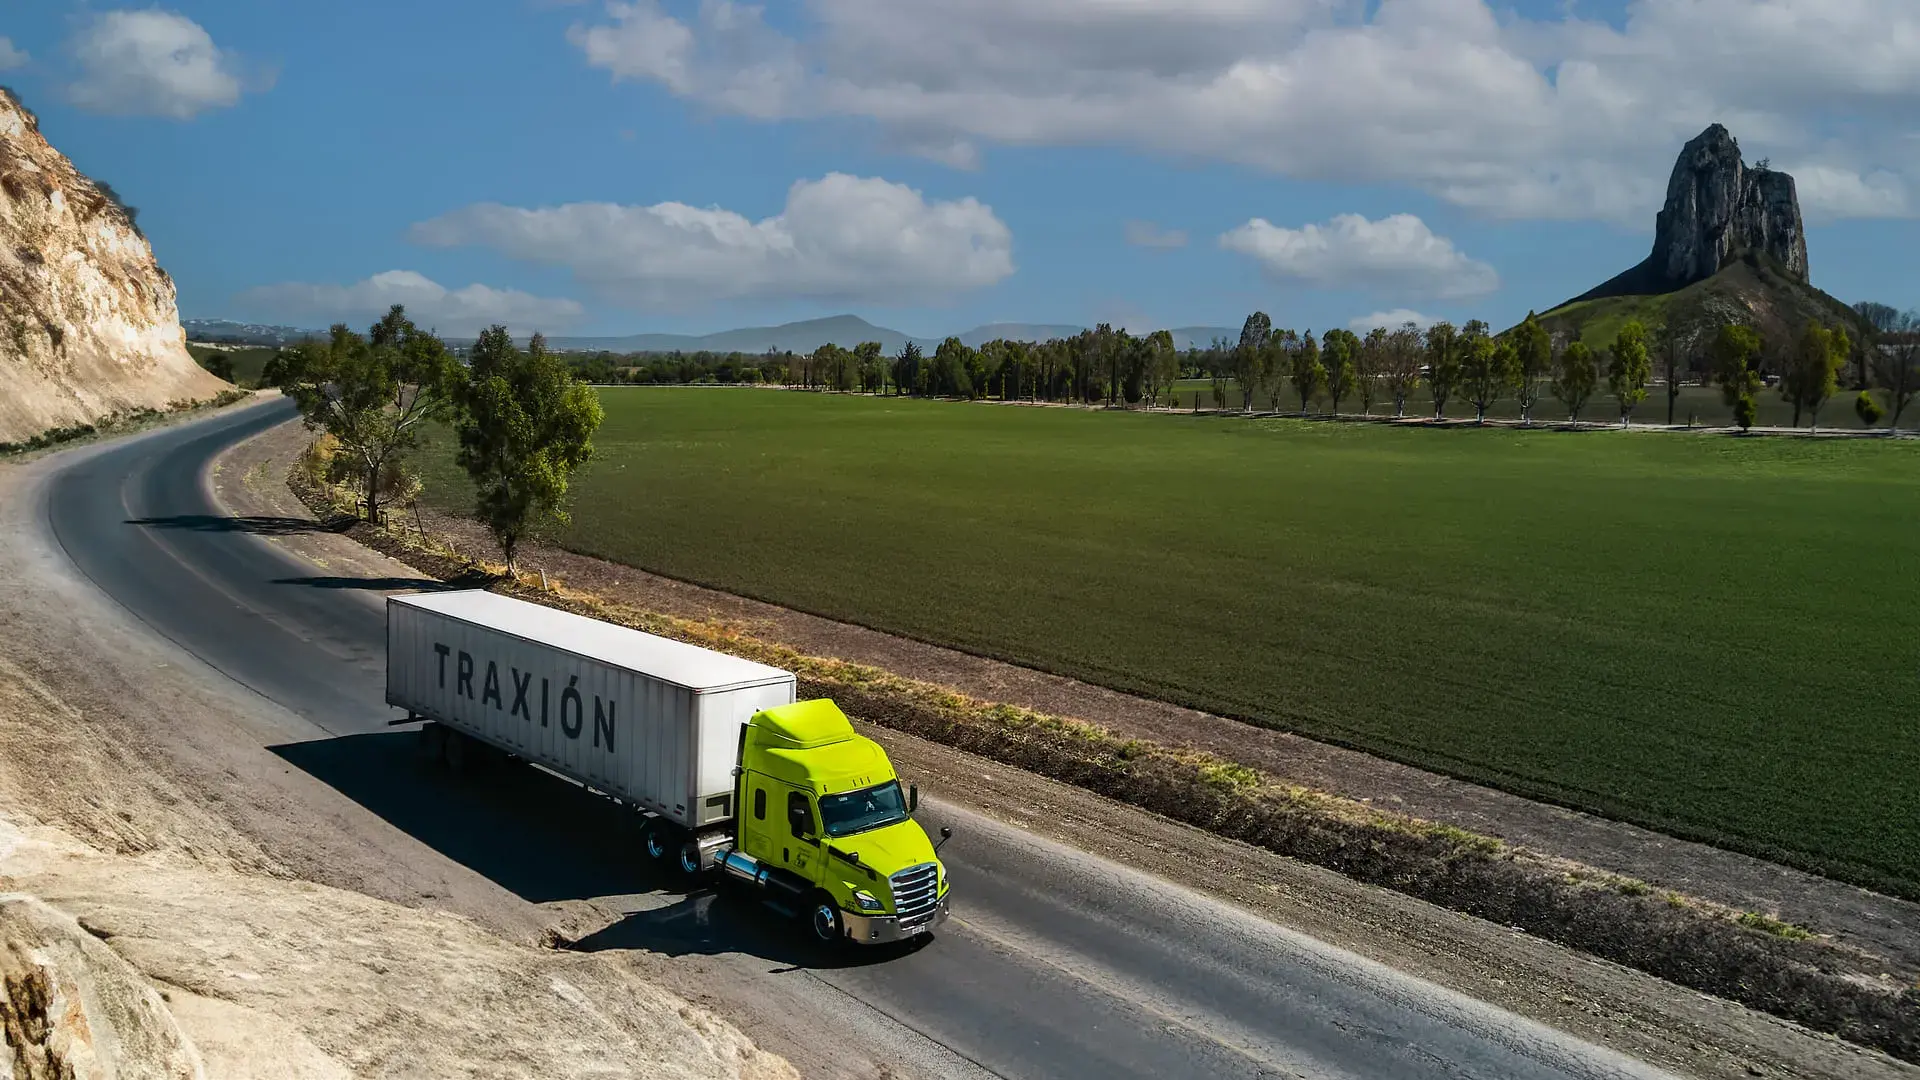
88	322
1728	246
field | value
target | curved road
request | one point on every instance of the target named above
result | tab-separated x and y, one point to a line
1055	965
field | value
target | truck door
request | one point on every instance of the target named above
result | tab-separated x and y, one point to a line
801	844
761	824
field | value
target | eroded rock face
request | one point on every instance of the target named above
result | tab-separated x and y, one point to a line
1717	206
88	321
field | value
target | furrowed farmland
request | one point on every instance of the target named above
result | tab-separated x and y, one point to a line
1712	635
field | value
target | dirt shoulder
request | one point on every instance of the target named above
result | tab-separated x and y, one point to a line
1883	925
1602	1002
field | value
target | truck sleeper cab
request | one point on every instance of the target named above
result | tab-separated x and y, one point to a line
823	823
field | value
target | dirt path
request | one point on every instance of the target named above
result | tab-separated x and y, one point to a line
1626	1010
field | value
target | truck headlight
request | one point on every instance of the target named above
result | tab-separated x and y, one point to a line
866	901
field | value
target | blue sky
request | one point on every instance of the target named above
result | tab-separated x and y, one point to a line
598	168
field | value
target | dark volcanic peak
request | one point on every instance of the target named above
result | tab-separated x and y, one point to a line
1718	208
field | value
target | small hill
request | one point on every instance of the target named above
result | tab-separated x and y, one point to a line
1729	246
89	324
1751	289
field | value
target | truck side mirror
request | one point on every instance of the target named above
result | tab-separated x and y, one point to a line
946	834
913	798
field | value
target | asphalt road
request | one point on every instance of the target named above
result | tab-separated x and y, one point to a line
1055	965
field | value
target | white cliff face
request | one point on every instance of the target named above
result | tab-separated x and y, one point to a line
88	320
1718	207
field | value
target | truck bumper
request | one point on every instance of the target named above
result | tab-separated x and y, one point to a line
884	929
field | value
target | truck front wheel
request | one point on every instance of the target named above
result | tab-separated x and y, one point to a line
824	917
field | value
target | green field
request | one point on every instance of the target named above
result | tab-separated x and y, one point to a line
1712	635
247	363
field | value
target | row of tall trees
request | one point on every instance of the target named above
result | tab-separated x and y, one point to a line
524	422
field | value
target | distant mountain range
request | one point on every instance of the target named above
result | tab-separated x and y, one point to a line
800	337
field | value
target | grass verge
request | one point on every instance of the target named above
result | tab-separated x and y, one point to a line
1751	958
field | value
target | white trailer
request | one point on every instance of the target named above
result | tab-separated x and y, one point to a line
653	722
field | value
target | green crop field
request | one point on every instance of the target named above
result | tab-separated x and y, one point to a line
1712	635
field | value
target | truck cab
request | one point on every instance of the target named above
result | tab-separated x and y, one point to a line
822	818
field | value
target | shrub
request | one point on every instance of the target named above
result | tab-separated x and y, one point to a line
1867	409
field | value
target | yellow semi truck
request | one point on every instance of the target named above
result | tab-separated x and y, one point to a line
728	771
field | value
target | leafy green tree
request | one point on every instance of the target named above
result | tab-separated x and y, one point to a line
872	370
1405	359
1736	351
1813	371
1629	369
525	426
1575	377
372	394
1251	355
1309	375
1486	368
1867	409
1443	365
1532	364
1338	354
908	367
1161	365
1369	368
951	370
1278	365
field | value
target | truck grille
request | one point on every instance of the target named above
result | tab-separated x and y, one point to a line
916	890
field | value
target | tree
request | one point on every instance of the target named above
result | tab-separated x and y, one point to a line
1308	374
872	370
372	394
1736	367
1279	364
525	426
949	374
1629	369
1812	375
1673	343
1896	366
1250	356
1575	378
907	368
1486	368
1369	368
1867	409
1443	365
1404	361
1532	363
1161	364
1337	355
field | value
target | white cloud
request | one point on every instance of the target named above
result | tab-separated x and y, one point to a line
1392	320
1511	116
451	311
840	238
11	57
1148	235
1827	193
152	63
1396	254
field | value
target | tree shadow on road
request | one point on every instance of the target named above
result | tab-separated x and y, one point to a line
385	584
254	525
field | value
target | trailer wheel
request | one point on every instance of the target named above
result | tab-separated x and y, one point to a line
690	858
658	839
823	916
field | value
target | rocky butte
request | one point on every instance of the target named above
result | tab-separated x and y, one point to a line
1729	245
89	325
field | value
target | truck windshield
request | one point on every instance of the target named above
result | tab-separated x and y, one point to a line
868	808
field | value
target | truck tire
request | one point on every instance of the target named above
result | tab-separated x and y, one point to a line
688	858
823	918
657	839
